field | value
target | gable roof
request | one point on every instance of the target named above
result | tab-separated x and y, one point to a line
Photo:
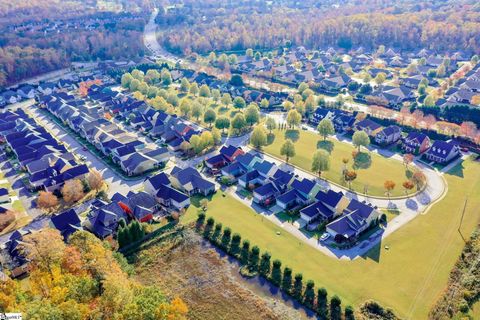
66	222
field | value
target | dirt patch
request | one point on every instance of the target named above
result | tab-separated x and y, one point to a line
206	281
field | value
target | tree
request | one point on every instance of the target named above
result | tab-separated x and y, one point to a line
6	218
206	138
185	107
302	87
468	129
209	116
216	135
298	287
258	56
126	80
197	110
429	101
419	179
226	237
239	103
288	149
276	272
215	94
194	89
204	91
166	77
259	137
226	99
321	161
408	185
196	143
249	52
380	78
252	115
134	85
222	123
184	85
235	244
349	313
349	176
360	139
322	303
309	294
245	253
325	128
46	200
287	280
95	180
236	80
407	159
238	122
152	76
264	103
271	124
185	146
264	268
335	308
72	191
389	185
254	258
293	118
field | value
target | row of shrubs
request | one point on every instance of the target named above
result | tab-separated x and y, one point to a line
253	262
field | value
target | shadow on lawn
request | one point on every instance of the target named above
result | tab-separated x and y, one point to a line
326	145
374	253
270	138
293	135
363	160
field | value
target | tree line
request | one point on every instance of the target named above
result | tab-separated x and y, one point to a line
284	278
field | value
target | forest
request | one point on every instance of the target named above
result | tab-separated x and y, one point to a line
42	36
445	26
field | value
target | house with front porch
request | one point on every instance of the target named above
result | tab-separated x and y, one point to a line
443	152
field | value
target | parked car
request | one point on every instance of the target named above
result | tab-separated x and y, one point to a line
325	236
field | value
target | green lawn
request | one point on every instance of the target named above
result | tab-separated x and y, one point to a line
408	277
372	169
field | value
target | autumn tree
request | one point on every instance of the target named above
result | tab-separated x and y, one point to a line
95	180
321	161
6	219
419	179
47	200
72	191
287	149
349	176
389	185
408	185
407	159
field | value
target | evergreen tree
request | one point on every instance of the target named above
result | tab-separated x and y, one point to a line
208	227
121	237
264	268
226	237
298	287
235	245
216	232
287	280
276	272
309	294
122	223
244	254
322	303
349	313
335	308
254	258
201	218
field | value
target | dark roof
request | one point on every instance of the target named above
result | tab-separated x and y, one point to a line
318	208
3	191
167	193
441	149
229	151
330	198
266	189
367	123
390	130
304	186
66	222
159	180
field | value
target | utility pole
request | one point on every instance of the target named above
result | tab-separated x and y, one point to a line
461	220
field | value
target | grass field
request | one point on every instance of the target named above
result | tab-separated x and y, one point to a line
408	277
372	169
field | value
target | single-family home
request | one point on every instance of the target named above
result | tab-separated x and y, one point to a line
4	197
153	184
172	200
328	205
190	181
369	126
26	91
66	222
442	152
416	143
356	218
388	135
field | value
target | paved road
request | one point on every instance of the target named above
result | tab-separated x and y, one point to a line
150	40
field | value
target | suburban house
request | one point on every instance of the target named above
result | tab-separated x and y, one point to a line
328	205
356	218
388	135
10	97
416	143
153	184
66	222
278	184
442	152
370	127
190	181
227	155
26	91
171	199
259	173
4	197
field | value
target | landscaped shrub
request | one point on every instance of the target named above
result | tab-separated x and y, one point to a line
287	280
298	287
276	272
235	244
254	258
309	294
335	308
226	237
264	267
216	233
245	253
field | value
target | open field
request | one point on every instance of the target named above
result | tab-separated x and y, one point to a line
408	277
372	169
208	283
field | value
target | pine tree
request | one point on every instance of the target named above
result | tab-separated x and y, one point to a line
309	294
235	244
264	268
287	280
322	303
335	308
276	272
226	237
253	258
244	254
298	287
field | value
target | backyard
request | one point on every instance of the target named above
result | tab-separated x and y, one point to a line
372	169
408	277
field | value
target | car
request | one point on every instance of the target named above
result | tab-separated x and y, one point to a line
325	236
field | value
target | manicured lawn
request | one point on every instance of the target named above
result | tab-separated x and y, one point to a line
408	277
372	169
